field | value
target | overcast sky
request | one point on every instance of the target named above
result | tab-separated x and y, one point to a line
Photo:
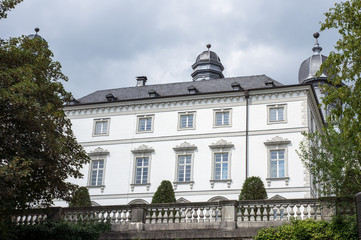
106	44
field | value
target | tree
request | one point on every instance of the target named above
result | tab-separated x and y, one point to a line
80	198
333	154
7	5
164	193
37	147
253	189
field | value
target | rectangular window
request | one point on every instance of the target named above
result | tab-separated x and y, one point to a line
145	123
184	168
141	170
222	118
277	163
186	121
101	127
276	114
97	172
221	164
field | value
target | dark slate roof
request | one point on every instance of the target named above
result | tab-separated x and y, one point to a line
178	89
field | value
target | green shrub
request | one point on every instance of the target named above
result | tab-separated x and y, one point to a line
60	231
81	198
340	228
253	189
164	193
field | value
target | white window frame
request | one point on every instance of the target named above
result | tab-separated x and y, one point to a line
184	149
277	144
101	120
222	111
277	106
221	147
142	151
184	114
99	154
139	118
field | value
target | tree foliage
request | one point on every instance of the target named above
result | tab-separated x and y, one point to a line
7	5
253	189
333	154
37	147
164	193
80	198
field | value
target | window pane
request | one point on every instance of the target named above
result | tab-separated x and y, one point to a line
280	114
281	170
149	124
225	118
273	169
274	155
273	114
219	118
281	154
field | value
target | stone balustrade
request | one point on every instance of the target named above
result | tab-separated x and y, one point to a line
206	213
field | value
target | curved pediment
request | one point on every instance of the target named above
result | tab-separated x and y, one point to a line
143	149
186	146
98	151
221	144
277	141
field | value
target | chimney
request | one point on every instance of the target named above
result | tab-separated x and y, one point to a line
141	81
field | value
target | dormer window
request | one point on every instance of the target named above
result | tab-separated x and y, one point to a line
192	90
236	86
269	83
152	93
110	97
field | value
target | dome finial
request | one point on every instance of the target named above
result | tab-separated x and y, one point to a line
36	30
316	49
208	46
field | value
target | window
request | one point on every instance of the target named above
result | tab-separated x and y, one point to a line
277	163
184	168
276	114
141	172
145	124
186	121
97	170
221	162
101	127
222	118
221	166
184	164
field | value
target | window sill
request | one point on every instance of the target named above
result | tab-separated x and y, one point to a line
97	186
277	122
286	179
228	181
175	184
133	185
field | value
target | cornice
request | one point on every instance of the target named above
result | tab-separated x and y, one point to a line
185	102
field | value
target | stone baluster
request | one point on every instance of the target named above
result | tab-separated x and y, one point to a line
305	211
195	215
189	215
298	211
183	215
252	214
165	215
283	211
246	214
108	215
201	214
159	215
213	214
102	217
312	211
219	214
129	214
119	216
148	217
318	212
114	216
265	213
154	216
75	218
171	215
40	218
239	214
258	213
177	216
278	212
291	213
207	215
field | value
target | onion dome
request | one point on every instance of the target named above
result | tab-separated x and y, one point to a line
207	66
312	65
32	36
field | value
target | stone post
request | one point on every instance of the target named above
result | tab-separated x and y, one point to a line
55	213
358	213
229	214
138	217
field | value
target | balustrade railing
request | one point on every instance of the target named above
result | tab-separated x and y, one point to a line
188	213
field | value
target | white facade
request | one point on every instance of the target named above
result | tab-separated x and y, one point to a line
198	142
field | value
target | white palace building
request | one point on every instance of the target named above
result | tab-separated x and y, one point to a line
205	135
